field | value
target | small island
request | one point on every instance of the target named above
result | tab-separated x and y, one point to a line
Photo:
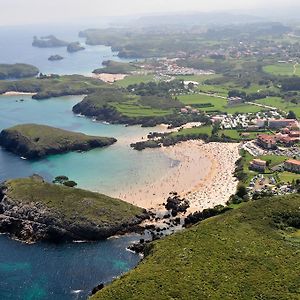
55	57
49	41
35	141
74	47
33	210
17	71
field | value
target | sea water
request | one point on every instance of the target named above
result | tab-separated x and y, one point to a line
69	271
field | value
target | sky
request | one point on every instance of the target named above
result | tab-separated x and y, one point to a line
16	12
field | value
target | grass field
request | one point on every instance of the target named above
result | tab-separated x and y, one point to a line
284	69
236	135
197	78
241	254
135	110
288	177
274	159
134	79
280	104
217	104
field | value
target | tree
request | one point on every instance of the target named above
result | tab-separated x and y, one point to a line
291	115
70	183
60	179
241	191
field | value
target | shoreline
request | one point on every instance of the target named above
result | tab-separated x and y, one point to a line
203	175
11	93
108	77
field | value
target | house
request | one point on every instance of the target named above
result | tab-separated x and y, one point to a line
266	141
235	100
292	165
281	123
258	165
260	123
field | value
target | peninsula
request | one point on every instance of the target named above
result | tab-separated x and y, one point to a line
32	210
49	41
35	141
17	71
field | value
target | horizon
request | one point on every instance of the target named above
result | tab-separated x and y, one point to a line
33	12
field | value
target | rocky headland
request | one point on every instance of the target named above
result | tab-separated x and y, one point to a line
33	210
35	141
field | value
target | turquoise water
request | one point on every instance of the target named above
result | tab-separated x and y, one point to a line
60	272
104	170
43	271
69	271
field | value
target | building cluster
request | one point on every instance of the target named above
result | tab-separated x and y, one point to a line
169	67
288	136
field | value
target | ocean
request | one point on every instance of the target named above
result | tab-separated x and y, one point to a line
69	271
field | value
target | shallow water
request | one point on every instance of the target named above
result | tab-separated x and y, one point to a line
44	271
104	170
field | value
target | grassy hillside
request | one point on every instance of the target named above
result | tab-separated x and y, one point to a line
248	253
115	67
17	71
53	87
72	204
33	140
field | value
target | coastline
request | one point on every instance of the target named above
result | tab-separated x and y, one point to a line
203	175
109	78
17	94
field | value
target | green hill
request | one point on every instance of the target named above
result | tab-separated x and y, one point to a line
17	71
248	253
36	141
32	210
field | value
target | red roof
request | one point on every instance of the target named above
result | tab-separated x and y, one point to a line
293	162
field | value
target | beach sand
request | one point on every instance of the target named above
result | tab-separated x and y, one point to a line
17	94
203	175
109	78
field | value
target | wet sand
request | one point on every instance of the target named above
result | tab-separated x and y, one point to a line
203	173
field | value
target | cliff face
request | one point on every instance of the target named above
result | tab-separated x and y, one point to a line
33	219
36	141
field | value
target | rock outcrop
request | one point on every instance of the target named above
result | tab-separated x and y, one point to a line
32	210
74	47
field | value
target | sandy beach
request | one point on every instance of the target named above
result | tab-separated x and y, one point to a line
17	94
109	78
203	174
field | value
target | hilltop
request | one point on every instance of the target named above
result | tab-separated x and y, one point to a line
36	141
32	210
11	71
247	253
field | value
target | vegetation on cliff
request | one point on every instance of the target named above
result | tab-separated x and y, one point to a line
245	253
53	86
32	210
36	141
115	67
8	71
